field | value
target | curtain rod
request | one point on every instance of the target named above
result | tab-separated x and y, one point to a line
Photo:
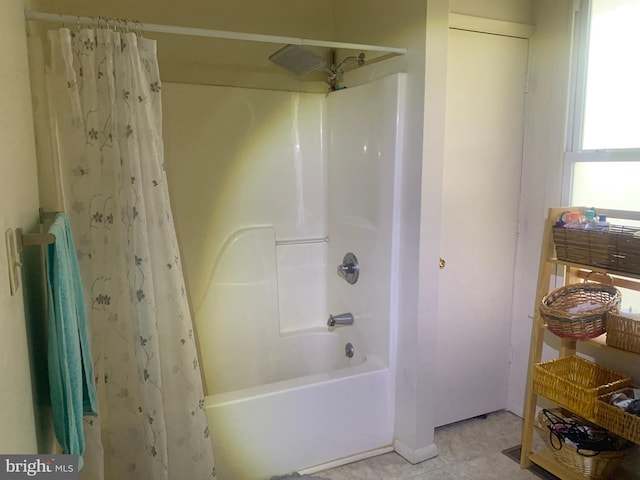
204	32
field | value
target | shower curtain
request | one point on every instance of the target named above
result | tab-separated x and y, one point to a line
105	109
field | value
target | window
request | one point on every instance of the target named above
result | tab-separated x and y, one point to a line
602	163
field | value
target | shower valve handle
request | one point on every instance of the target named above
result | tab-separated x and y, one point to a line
346	268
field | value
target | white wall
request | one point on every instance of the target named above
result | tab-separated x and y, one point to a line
19	200
542	170
406	24
431	215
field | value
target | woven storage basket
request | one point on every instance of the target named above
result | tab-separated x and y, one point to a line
592	465
576	383
578	310
623	332
616	249
617	420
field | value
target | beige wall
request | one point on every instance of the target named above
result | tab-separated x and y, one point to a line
19	201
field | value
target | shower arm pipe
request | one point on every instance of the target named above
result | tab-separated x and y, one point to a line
205	32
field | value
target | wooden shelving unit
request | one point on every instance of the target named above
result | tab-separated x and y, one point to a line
550	267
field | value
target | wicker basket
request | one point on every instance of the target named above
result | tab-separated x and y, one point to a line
578	310
592	465
576	383
623	331
616	249
617	420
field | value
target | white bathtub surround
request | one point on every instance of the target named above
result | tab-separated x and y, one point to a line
302	271
282	395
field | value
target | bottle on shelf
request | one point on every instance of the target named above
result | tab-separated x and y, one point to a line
601	224
572	220
589	219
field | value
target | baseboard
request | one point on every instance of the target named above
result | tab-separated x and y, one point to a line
345	460
415	456
516	410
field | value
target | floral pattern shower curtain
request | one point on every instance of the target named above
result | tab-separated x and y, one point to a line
105	105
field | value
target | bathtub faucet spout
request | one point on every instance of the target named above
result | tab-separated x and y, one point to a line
341	319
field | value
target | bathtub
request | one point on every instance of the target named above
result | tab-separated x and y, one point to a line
280	401
306	421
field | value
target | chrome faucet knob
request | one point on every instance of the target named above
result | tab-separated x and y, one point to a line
349	269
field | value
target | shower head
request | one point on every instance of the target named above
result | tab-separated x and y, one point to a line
297	59
301	61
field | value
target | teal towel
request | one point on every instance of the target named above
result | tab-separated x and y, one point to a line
73	392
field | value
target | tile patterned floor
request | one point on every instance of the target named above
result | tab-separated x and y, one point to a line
469	450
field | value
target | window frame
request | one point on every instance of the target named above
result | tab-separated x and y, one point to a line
575	115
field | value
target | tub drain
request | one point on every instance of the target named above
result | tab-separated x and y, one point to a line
349	350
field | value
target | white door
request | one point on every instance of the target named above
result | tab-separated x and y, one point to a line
483	155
